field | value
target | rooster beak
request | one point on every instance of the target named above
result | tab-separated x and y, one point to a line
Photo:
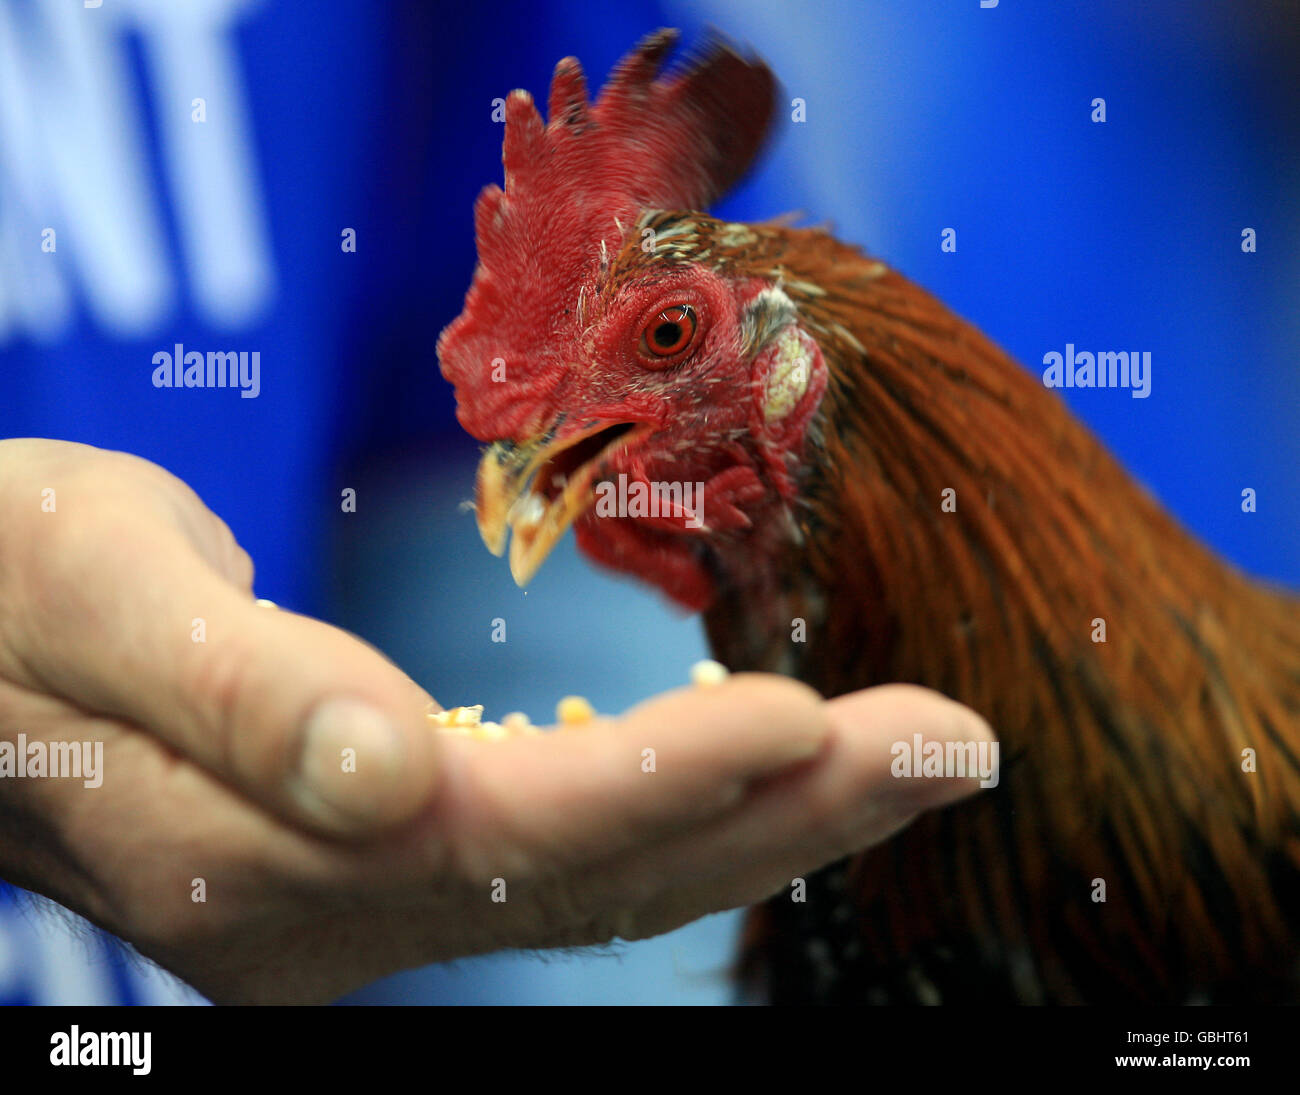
525	489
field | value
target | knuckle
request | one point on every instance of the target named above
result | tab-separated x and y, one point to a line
214	540
240	568
216	678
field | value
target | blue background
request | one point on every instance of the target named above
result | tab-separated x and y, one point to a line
377	116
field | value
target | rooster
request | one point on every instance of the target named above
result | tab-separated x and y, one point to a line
884	495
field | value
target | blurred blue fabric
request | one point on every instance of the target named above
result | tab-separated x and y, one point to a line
225	235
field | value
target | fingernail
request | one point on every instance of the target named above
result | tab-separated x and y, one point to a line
351	756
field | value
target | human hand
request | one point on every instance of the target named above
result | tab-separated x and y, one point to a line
316	880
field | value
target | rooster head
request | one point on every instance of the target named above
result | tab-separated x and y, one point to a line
634	364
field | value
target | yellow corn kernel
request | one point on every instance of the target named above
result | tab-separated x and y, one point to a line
707	673
574	711
467	722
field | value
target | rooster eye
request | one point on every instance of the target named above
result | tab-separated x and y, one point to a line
669	332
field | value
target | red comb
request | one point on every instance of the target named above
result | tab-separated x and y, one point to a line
652	140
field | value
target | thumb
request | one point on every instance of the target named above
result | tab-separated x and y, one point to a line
302	717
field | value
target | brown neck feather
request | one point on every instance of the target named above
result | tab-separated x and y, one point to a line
995	604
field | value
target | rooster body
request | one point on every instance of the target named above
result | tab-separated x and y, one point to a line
889	497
